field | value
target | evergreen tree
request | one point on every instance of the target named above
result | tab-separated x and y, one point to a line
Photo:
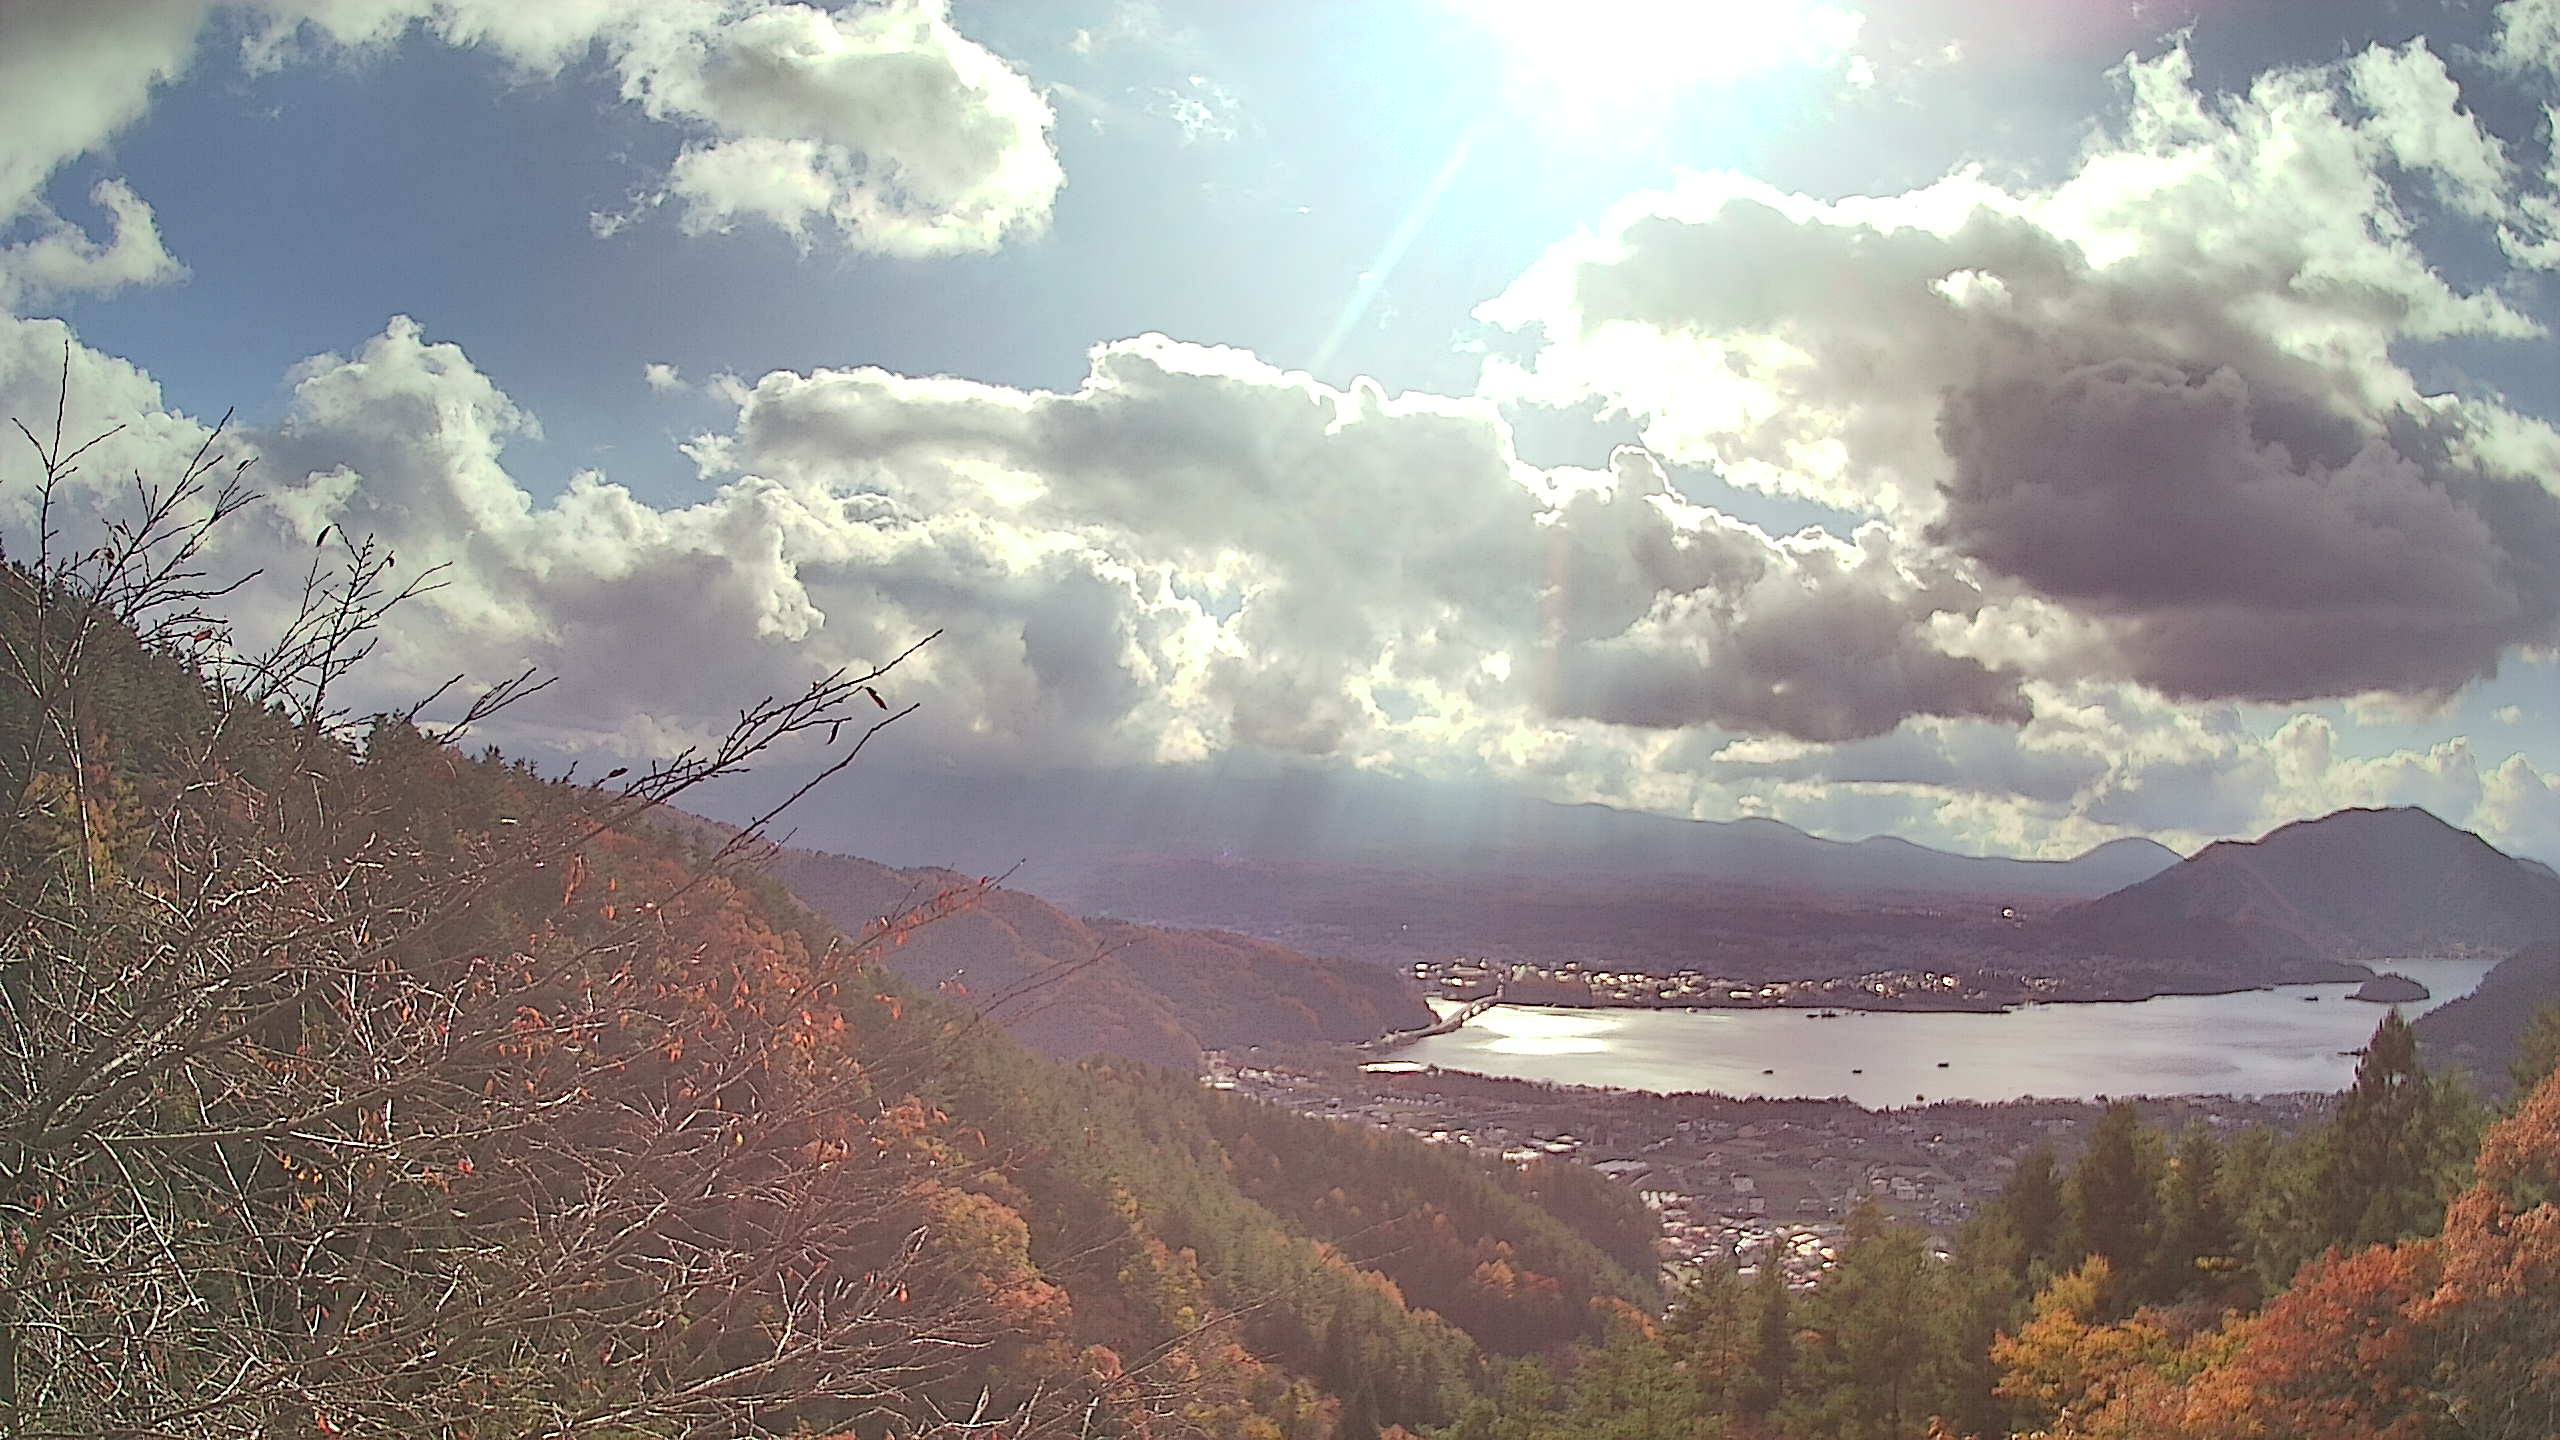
1359	1416
1708	1331
1632	1389
1983	1300
1773	1339
2113	1196
2537	1052
1870	1372
2401	1136
2380	1170
2033	1201
2199	1243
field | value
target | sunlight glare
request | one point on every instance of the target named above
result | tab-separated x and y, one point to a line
1522	1031
1611	54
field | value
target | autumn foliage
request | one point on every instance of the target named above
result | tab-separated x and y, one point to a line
353	1083
2456	1334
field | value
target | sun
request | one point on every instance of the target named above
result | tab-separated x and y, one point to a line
1612	55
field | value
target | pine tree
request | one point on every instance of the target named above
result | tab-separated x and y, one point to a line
1984	1299
2537	1052
2113	1196
2398	1141
1708	1331
2199	1242
1632	1389
1773	1339
2033	1201
1872	1373
2380	1170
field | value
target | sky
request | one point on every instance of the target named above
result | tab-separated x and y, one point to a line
2007	427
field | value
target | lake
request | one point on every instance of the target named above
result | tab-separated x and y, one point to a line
2258	1042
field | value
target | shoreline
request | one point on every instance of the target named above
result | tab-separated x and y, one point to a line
2056	1049
1845	1008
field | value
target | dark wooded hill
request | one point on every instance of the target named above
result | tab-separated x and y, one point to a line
1105	987
2478	1032
2354	885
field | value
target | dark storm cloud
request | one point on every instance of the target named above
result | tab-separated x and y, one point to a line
1825	651
2242	561
2159	413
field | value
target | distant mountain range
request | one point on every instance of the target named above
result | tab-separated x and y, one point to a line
1078	834
1319	870
2355	885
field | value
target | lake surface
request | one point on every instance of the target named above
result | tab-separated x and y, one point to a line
2258	1042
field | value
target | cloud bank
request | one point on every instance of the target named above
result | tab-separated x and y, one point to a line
2156	411
2127	458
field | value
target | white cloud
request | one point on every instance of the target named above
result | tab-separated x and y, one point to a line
73	73
2528	36
2520	809
1194	553
62	259
2154	411
1383	544
907	137
661	377
2418	119
1201	109
879	123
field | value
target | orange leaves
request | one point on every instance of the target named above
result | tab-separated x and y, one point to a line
2524	1149
2061	1363
2450	1335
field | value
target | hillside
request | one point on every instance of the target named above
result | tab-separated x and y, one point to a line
361	1085
2478	1032
1106	987
2355	885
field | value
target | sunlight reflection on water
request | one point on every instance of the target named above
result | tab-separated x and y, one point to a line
2252	1043
1513	1031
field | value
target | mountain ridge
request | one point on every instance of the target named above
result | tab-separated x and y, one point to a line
1072	835
2478	1032
2356	884
1101	986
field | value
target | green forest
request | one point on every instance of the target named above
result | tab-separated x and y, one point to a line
358	1082
2387	1274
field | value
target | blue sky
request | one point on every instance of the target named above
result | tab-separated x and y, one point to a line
2006	432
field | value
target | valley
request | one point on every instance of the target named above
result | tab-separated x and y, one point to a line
1767	1179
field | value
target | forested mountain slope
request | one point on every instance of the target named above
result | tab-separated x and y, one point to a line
2355	885
1107	987
353	1084
2479	1032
